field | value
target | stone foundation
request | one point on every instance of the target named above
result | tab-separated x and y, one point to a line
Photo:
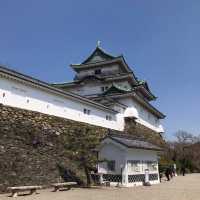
32	146
143	133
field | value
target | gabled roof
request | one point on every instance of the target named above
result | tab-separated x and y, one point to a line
99	58
129	141
119	59
145	90
116	89
98	55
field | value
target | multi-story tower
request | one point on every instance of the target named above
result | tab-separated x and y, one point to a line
109	80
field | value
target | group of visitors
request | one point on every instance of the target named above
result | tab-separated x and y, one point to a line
169	172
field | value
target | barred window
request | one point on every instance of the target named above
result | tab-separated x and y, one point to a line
97	71
86	111
104	88
108	117
152	165
133	165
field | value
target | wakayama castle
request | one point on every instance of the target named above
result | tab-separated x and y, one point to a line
105	93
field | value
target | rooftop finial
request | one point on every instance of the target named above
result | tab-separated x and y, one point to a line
98	43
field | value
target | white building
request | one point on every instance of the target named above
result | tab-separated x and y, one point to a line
127	160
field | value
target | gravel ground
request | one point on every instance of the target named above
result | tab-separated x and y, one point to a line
180	188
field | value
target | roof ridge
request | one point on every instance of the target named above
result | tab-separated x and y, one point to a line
137	143
123	135
96	50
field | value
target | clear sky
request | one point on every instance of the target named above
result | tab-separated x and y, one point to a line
160	40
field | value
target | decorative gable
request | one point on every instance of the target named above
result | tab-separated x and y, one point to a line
117	89
98	55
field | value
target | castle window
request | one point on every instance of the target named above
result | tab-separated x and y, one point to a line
86	111
104	88
97	71
27	101
108	117
4	94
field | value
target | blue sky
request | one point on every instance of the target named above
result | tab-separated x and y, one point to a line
160	40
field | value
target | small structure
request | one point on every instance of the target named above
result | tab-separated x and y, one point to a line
15	190
125	161
58	186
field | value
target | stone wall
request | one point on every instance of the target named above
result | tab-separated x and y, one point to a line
32	147
143	133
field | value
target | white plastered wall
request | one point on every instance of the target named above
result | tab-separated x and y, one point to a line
143	116
113	151
28	97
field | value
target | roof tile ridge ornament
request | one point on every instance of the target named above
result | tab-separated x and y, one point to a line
98	43
99	48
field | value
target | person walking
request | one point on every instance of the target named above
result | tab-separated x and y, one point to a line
167	173
183	170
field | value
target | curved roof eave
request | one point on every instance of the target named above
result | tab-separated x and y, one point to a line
144	85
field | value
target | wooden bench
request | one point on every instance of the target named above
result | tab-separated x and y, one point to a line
58	186
16	190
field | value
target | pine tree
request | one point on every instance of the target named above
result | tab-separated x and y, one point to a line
80	144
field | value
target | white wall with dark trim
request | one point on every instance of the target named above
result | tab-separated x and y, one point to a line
21	95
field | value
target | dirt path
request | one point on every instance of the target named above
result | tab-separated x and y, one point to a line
180	188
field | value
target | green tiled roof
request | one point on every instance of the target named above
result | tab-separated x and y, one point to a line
115	88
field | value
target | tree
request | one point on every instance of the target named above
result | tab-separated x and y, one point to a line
80	147
183	137
185	151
